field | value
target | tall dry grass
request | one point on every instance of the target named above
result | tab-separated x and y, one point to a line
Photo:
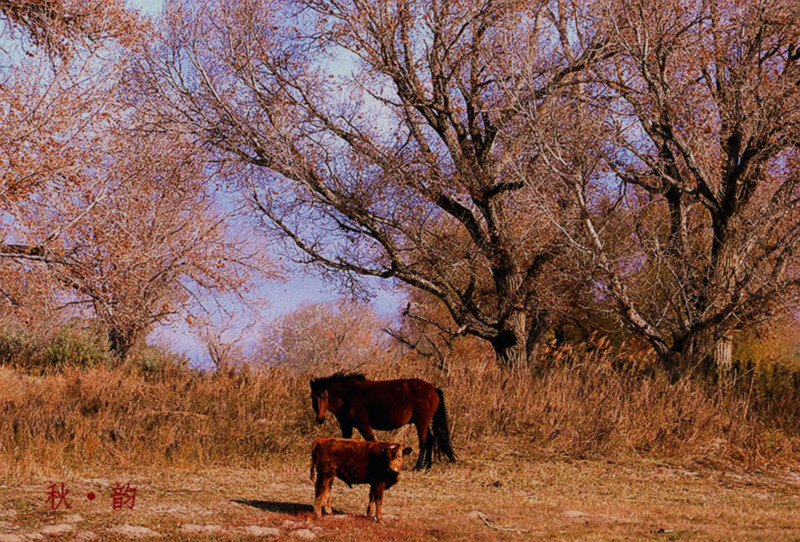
128	417
581	402
593	401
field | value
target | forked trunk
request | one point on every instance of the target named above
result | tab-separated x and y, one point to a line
699	354
513	344
121	341
678	359
512	357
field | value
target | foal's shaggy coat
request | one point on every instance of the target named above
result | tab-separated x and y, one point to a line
355	462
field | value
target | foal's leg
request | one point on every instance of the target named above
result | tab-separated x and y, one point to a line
320	493
375	500
326	505
371	500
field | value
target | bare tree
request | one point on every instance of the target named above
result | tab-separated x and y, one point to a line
53	114
696	121
225	339
412	165
57	25
53	121
95	216
326	336
153	245
157	245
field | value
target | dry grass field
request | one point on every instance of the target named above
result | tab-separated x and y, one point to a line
594	446
490	495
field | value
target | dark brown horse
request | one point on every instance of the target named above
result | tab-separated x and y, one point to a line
384	405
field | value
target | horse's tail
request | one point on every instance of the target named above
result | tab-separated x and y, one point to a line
442	445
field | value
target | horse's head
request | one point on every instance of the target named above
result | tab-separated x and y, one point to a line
319	401
326	393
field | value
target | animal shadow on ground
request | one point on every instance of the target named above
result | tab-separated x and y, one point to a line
294	508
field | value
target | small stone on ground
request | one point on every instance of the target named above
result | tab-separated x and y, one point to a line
57	530
135	531
200	529
258	530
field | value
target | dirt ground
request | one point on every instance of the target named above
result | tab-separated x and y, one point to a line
506	498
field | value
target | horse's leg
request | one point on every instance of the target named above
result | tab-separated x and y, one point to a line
365	430
426	442
345	425
422	433
347	430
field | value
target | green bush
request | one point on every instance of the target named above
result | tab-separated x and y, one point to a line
75	346
16	347
157	364
38	350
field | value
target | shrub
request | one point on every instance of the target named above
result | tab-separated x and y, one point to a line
40	349
75	345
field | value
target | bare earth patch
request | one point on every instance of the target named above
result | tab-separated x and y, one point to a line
489	499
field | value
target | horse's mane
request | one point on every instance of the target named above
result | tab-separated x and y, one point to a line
338	376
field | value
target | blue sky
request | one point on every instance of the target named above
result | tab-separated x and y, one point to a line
148	6
282	296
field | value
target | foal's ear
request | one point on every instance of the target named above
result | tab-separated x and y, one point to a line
407	450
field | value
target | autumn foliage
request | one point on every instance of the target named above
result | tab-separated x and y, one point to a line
58	26
591	207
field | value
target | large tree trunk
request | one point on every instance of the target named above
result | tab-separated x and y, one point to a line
725	263
538	325
511	356
511	343
723	355
701	354
679	357
121	341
